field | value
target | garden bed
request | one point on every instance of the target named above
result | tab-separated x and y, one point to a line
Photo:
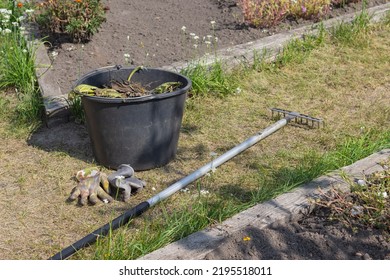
150	34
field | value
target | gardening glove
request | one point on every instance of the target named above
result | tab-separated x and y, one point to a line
123	184
125	187
89	188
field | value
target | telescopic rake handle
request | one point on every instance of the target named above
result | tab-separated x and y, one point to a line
143	206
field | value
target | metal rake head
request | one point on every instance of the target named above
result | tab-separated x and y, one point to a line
298	118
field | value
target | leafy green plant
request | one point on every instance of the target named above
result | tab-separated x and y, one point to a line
264	13
80	19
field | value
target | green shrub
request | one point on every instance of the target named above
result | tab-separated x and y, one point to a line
264	13
309	9
80	19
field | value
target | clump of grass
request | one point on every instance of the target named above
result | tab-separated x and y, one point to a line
211	79
17	59
297	50
354	33
17	63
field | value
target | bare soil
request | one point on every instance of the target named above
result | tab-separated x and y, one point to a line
306	237
150	33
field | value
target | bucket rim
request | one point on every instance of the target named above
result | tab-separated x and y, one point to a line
179	91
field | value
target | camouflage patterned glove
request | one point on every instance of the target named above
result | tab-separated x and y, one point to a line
89	187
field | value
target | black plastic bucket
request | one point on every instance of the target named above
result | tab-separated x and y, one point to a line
141	131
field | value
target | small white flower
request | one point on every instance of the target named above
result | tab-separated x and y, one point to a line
22	28
207	43
209	36
361	182
216	39
128	38
384	195
183	28
126	55
192	34
204	192
195	46
15	23
21	18
29	11
196	37
238	90
6	16
7	31
24	51
212	23
185	190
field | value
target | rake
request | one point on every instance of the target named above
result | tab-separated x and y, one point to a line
288	116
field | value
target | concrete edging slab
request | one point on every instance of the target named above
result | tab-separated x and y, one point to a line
197	245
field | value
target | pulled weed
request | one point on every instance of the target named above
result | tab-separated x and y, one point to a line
367	205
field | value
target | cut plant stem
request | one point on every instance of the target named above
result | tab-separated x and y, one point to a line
136	69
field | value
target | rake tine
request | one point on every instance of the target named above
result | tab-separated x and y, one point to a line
300	119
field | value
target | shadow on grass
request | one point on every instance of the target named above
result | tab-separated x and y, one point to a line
69	138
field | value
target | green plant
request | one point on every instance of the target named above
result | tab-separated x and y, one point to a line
354	32
264	13
210	79
80	19
297	49
76	109
17	62
310	9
